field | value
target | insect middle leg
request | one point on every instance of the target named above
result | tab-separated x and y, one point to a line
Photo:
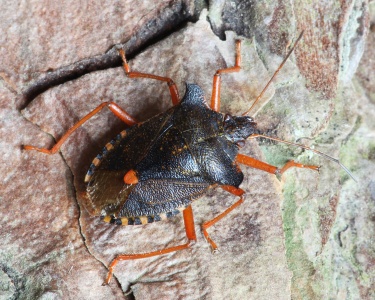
114	108
190	233
172	86
233	190
215	98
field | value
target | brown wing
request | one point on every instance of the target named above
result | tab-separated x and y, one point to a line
104	178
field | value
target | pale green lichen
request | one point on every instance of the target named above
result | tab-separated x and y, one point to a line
297	259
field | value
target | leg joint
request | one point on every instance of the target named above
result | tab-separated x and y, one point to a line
170	82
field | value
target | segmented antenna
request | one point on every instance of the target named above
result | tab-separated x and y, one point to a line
274	75
285	142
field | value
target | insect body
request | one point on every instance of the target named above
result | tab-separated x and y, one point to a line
180	154
155	169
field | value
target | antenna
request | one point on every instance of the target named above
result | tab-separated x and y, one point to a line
274	75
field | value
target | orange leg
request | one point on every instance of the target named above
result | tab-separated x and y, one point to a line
115	109
257	164
215	98
233	190
172	86
248	160
190	233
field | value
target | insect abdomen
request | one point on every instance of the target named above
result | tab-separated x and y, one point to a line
140	220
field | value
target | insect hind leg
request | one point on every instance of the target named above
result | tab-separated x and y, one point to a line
190	233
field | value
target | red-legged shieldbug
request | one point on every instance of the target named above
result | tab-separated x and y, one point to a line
179	155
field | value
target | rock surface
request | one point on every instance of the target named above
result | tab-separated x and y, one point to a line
308	236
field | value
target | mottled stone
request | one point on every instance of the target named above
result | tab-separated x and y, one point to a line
45	44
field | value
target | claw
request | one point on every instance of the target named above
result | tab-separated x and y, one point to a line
278	174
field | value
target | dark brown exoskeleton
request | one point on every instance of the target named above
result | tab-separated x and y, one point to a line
155	169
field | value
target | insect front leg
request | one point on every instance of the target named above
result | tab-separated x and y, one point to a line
233	190
114	108
257	164
268	168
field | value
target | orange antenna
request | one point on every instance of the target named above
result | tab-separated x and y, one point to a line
274	75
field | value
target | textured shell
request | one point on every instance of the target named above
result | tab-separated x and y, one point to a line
177	156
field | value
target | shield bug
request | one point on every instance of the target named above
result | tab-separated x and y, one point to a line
155	169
